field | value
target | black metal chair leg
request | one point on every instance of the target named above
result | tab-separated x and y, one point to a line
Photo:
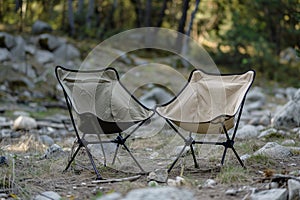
177	158
99	177
224	154
239	159
73	157
138	164
116	152
194	156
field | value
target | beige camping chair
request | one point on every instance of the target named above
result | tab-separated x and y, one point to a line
208	104
100	106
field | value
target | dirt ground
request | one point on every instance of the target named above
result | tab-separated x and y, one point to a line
27	175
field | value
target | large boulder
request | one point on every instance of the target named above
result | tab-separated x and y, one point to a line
66	52
41	27
274	150
50	42
7	40
18	52
5	55
289	115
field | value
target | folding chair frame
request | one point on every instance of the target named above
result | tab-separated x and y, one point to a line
82	142
189	141
228	144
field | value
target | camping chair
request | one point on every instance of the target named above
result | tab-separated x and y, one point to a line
99	105
208	104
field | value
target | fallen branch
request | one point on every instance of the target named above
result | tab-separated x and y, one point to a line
132	178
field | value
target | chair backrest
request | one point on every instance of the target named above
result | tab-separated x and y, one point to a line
98	95
208	97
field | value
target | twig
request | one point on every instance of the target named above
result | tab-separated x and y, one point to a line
132	178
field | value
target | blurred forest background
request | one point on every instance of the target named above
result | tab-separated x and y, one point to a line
259	34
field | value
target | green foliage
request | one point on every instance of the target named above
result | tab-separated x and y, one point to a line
239	34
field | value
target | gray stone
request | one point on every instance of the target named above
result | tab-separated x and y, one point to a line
209	183
157	95
67	52
41	27
47	140
245	157
47	196
159	175
5	55
290	92
256	94
155	193
247	131
18	52
7	40
231	192
111	196
288	142
289	115
274	194
274	150
50	42
289	55
294	189
24	123
25	68
43	56
267	132
53	151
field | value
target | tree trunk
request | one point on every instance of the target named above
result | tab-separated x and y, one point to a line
71	18
90	14
192	18
148	11
63	19
182	21
138	12
162	13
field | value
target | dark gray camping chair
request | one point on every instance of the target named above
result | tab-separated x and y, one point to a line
101	106
208	104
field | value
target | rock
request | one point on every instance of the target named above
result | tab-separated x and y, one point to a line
274	150
159	175
50	42
288	142
290	92
48	195
24	123
47	140
111	196
20	113
53	151
245	157
7	40
41	27
247	131
294	189
43	56
5	55
274	194
66	52
231	192
3	161
256	94
18	52
267	132
157	95
289	115
209	183
155	193
25	68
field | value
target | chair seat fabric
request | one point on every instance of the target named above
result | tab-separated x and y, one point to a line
207	98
